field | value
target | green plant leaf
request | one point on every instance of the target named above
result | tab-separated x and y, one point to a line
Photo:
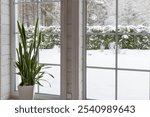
29	69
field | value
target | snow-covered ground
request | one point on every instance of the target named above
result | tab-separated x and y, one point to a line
131	84
101	82
51	56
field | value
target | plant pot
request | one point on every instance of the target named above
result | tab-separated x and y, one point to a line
26	92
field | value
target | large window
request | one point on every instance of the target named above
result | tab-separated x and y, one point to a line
118	49
48	13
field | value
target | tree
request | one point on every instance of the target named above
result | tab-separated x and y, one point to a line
47	12
144	12
50	14
129	13
97	12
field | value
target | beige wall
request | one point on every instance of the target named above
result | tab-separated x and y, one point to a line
4	49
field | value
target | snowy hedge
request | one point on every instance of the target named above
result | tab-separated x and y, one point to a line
131	37
51	36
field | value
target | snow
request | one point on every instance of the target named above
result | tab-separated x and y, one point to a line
131	84
133	15
122	29
101	82
133	59
51	56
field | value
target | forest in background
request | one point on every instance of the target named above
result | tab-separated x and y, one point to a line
133	17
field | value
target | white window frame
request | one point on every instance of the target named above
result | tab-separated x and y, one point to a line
116	68
78	63
14	93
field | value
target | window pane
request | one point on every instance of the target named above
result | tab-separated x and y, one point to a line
134	42
133	85
100	45
100	84
134	51
54	87
100	41
101	50
27	14
49	55
50	27
101	12
134	12
49	13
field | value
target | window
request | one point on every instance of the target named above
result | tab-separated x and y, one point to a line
48	13
118	49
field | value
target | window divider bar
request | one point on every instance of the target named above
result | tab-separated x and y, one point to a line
50	64
37	2
149	86
121	69
116	63
119	33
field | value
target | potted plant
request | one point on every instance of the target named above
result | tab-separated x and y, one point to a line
29	69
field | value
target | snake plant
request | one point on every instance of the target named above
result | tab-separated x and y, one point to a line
29	69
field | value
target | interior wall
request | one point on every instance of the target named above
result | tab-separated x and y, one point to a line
4	49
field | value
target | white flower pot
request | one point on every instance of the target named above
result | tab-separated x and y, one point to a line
26	92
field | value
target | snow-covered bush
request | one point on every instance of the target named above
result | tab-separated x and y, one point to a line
51	36
131	37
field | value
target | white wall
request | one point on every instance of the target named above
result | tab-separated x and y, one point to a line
4	49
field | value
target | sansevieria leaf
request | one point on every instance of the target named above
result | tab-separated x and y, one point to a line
28	66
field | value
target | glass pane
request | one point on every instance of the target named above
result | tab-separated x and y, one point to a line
101	50
100	84
49	13
26	14
50	47
54	86
134	51
133	85
101	12
50	27
49	55
134	12
100	41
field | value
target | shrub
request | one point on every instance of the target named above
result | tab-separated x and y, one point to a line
51	36
130	37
